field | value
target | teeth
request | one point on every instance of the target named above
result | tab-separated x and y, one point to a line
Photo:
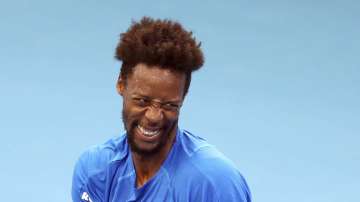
149	133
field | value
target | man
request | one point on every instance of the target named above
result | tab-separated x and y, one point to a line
155	160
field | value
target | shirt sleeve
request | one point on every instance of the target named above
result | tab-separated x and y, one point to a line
233	190
80	177
218	179
225	189
80	183
88	178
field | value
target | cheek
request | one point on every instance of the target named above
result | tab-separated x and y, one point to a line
170	121
131	114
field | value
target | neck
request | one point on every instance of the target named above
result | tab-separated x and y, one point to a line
146	166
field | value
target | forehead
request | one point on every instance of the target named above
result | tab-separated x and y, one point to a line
156	82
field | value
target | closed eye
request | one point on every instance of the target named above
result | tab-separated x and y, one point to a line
171	106
141	101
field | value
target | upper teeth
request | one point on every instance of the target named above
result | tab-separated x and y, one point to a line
148	132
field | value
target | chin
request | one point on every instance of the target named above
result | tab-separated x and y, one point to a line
143	148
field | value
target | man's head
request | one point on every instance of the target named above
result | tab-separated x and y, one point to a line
162	43
158	58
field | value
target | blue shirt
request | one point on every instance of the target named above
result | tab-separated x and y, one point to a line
193	171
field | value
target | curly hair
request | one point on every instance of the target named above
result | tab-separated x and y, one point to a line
162	43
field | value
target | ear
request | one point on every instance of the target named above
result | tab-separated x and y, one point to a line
120	86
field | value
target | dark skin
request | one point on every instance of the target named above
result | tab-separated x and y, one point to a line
152	97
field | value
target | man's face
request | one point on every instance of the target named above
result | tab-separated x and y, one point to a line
152	98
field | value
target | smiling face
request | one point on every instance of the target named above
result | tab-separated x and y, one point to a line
152	97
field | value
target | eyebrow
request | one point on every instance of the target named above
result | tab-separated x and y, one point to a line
175	101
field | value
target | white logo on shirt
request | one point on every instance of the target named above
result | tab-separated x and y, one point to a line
85	197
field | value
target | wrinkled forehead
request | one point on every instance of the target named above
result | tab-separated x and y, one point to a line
156	82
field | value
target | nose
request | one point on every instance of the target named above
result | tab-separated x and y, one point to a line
154	114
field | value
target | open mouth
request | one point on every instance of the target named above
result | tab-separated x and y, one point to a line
148	132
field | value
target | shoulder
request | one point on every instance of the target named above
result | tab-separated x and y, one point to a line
97	157
92	164
209	171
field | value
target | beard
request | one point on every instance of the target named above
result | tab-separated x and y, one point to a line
130	125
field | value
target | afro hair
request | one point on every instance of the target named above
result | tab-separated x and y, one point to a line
162	43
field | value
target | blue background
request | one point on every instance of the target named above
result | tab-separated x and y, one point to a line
278	94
